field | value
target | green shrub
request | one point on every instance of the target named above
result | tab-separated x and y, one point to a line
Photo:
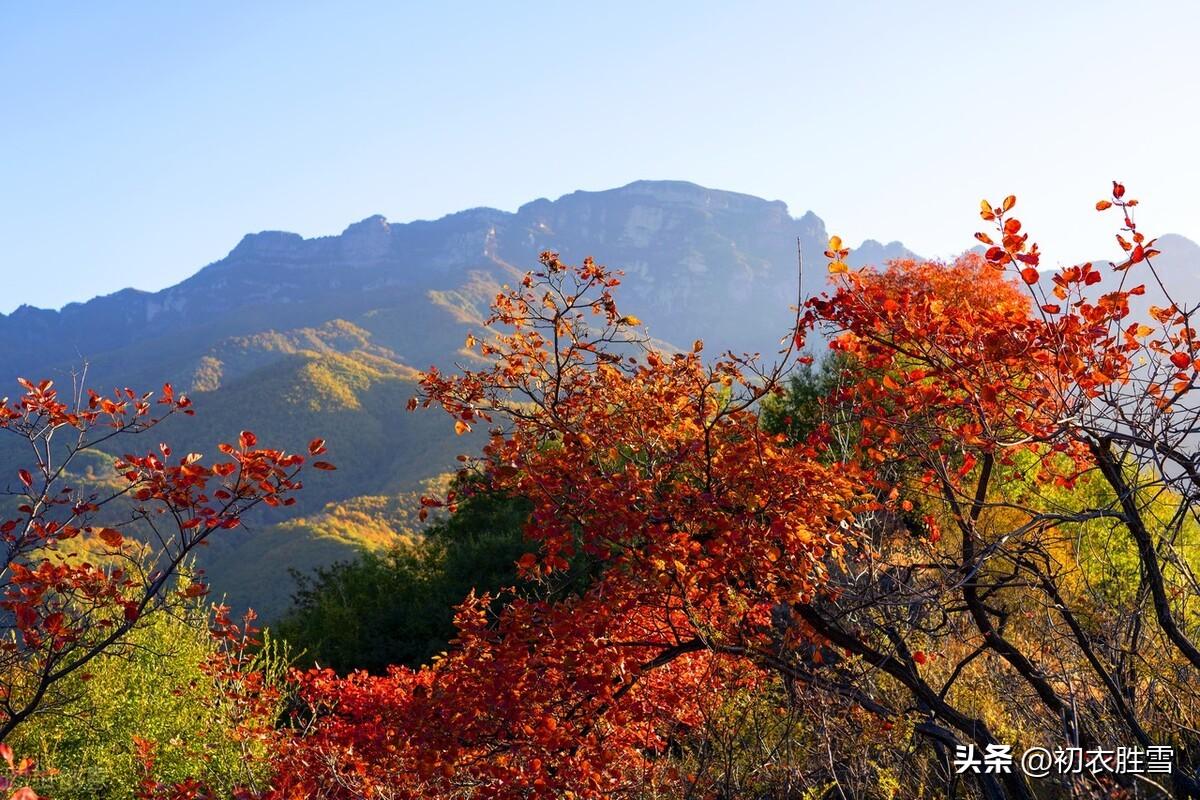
158	691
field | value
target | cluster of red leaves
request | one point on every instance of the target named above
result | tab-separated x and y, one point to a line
13	774
653	468
961	358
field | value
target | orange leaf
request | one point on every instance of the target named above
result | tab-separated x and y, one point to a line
1030	275
461	427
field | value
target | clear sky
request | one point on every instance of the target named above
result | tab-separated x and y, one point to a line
140	141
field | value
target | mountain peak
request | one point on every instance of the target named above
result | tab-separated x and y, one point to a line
368	227
253	244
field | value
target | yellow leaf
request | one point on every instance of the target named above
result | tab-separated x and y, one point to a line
839	266
835	243
630	319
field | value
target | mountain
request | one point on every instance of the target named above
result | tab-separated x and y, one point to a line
698	262
295	338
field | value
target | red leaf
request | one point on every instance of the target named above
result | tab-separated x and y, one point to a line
1181	360
110	537
316	447
25	477
1030	275
248	439
325	465
1118	190
1103	205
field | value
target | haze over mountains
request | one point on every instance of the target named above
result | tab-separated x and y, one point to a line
295	338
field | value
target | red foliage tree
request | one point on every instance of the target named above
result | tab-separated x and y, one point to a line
86	556
1036	415
699	528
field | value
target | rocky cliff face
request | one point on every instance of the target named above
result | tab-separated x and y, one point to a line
699	263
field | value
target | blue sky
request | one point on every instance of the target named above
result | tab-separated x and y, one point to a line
140	141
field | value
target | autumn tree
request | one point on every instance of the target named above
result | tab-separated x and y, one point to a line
1033	444
702	526
95	544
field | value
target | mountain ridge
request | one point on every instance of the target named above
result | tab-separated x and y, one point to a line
687	250
275	241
